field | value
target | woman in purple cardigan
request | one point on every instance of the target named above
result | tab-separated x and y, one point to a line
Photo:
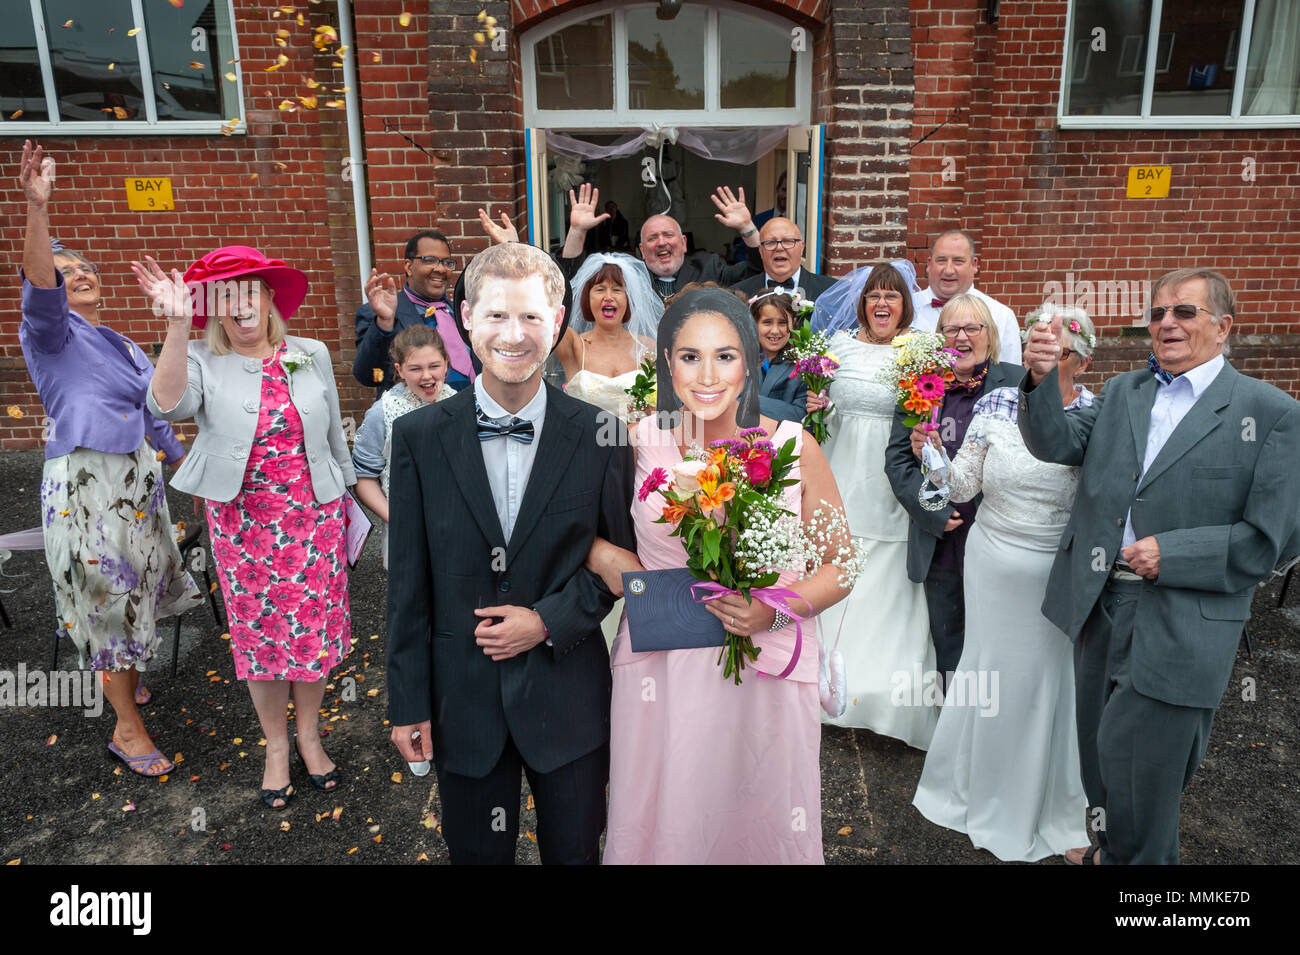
108	534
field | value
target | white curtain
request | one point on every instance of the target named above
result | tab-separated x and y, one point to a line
1273	68
739	146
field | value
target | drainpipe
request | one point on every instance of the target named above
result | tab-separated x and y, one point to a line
356	155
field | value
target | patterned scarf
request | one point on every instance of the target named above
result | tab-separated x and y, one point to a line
445	323
1156	370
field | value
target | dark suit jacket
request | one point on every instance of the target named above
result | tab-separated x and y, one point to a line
697	268
448	556
780	396
904	472
812	283
1220	499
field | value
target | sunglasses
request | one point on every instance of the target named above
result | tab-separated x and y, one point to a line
1184	313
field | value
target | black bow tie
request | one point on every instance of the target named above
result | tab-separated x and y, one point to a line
518	428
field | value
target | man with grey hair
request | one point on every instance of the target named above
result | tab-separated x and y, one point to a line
951	271
496	662
1187	498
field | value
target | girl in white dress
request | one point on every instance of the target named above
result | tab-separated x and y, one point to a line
613	318
1004	763
883	627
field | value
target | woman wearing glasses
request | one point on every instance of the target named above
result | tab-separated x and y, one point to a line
1004	767
108	534
936	543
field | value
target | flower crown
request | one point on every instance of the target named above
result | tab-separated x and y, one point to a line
802	307
1071	318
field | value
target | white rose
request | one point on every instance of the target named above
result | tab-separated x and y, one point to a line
685	475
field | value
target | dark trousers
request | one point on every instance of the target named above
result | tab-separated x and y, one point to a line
1137	754
946	601
480	817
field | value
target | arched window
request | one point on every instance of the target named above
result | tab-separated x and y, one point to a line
616	65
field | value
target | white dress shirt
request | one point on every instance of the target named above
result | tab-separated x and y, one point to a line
509	461
1172	403
926	319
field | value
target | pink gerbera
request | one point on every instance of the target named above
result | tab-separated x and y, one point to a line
930	386
657	479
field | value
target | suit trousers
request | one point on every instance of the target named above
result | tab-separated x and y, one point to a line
480	817
1137	754
945	598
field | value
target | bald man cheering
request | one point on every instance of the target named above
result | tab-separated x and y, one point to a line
780	245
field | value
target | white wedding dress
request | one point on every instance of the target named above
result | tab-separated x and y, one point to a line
1003	766
883	625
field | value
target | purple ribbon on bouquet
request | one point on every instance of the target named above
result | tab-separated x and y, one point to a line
778	598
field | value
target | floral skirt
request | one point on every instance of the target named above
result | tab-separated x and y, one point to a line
114	562
284	578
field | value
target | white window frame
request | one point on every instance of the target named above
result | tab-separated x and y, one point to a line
151	125
1145	119
622	116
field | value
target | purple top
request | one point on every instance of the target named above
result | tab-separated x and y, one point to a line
959	407
92	381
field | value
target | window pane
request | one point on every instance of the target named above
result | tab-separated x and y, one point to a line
1273	69
665	59
1193	75
758	66
178	39
574	67
20	69
96	73
1105	57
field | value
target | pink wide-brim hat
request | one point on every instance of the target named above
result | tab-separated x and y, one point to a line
235	261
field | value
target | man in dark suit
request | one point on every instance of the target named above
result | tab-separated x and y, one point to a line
495	654
780	245
1186	500
936	540
663	244
424	299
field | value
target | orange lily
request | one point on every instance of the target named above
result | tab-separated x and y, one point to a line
709	500
674	512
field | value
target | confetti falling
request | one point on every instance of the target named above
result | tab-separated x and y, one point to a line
15	114
280	61
404	19
52	740
232	77
68	24
14	411
178	4
133	32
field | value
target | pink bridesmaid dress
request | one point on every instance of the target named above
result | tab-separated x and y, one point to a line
702	770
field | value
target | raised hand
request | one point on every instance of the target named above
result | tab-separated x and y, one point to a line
732	211
167	296
36	174
499	234
1043	349
582	208
381	293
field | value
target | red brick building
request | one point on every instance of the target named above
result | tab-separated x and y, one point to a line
1015	120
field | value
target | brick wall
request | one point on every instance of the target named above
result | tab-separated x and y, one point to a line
865	97
276	186
1048	205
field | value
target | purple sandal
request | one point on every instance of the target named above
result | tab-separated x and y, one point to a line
142	695
139	764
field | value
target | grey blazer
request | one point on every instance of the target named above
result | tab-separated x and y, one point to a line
224	396
1220	499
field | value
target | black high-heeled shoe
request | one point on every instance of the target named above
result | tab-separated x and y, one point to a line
322	782
269	796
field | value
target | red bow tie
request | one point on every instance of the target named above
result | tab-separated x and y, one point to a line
938	302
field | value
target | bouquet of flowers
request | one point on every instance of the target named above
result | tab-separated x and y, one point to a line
725	505
814	363
921	371
641	395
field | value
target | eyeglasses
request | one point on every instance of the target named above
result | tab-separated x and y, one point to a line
772	244
1067	352
435	260
80	269
1184	313
952	331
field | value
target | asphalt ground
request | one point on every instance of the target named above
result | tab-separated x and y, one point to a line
62	801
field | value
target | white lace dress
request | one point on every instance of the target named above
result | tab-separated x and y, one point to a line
883	626
1003	766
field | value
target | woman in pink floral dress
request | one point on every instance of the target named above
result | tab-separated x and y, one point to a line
271	460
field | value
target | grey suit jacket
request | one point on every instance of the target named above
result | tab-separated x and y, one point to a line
903	470
1220	499
780	396
224	397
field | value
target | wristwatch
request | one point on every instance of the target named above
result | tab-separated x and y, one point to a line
748	232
